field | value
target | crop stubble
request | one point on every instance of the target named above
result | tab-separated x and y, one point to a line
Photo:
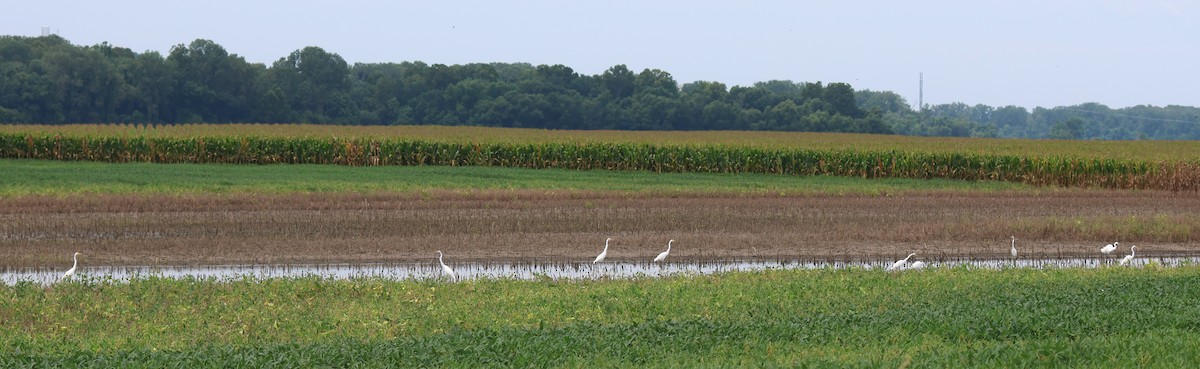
564	226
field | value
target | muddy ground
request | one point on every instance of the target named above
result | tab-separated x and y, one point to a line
572	226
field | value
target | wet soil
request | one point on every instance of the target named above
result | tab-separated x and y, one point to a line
536	226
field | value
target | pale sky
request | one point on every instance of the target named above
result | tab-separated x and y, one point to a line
1020	52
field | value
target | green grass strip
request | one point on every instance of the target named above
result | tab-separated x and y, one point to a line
47	177
1109	317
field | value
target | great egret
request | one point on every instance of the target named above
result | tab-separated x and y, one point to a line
917	265
1109	248
1128	257
663	255
900	264
1014	247
71	272
445	268
604	253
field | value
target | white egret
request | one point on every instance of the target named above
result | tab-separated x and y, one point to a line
71	272
1014	247
1109	248
1128	257
604	253
900	264
663	255
917	265
445	268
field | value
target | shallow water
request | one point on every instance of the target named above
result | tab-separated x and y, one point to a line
531	270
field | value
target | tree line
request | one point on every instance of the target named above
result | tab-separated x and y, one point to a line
48	80
1089	121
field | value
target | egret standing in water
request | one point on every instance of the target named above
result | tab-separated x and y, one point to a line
1014	247
1129	257
900	264
445	268
917	265
663	255
71	272
604	253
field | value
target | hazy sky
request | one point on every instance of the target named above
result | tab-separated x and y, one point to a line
1019	52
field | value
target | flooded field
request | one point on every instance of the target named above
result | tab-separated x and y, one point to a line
527	235
531	270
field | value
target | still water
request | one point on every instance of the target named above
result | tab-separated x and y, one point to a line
534	270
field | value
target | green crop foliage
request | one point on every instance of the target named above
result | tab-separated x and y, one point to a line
1141	150
1108	317
1029	168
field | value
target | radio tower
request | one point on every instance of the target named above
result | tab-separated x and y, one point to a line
921	98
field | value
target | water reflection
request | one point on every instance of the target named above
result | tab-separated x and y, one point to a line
531	270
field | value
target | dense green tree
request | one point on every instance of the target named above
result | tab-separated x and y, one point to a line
706	91
787	116
26	95
885	101
722	115
151	82
553	78
704	106
651	111
211	84
1069	129
756	98
781	87
618	81
1011	121
655	82
873	123
49	80
812	91
87	88
840	97
316	81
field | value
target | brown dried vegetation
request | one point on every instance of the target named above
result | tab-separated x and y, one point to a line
559	226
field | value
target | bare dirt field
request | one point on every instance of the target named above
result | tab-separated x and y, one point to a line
572	226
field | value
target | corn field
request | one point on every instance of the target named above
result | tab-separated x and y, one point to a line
1142	150
1062	171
